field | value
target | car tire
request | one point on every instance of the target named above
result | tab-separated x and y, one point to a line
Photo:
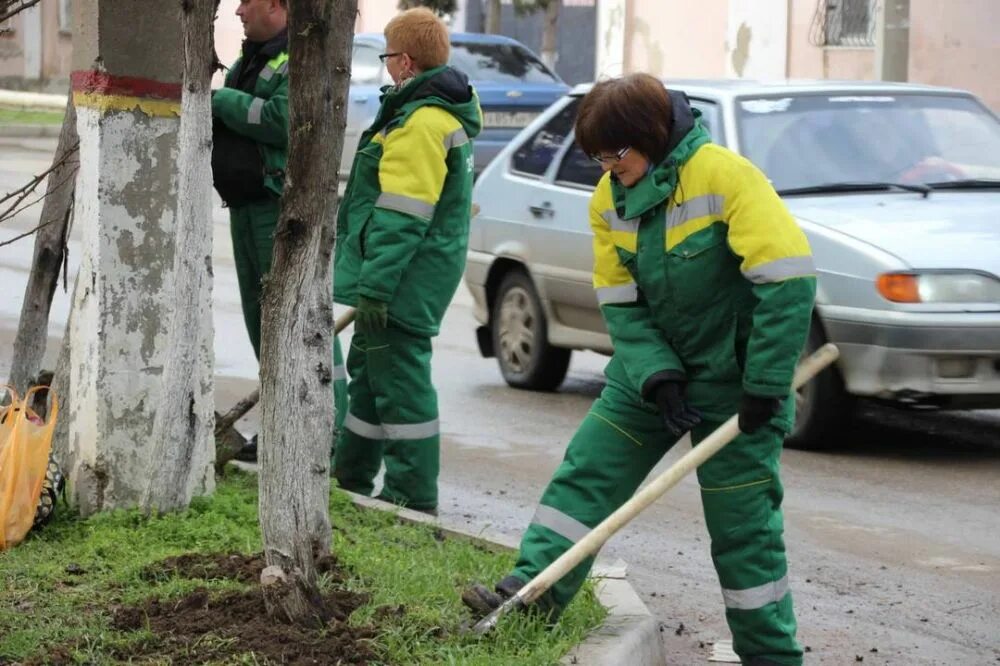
520	337
823	408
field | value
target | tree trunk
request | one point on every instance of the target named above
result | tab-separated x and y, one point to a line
296	365
60	385
50	251
493	13
550	35
182	439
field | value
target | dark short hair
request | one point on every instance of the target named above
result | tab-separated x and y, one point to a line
628	112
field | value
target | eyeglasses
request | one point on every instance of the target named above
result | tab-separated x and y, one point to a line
611	159
385	56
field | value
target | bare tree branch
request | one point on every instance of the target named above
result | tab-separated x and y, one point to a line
25	191
10	8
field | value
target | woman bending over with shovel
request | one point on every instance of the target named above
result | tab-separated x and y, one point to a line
706	284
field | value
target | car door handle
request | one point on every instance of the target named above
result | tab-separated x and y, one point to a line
545	210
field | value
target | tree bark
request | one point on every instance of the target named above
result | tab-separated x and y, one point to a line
297	326
182	442
61	386
493	13
50	252
550	35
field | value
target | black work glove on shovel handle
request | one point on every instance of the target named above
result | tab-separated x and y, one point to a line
756	411
678	416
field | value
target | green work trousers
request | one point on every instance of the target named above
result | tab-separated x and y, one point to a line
392	416
252	228
619	442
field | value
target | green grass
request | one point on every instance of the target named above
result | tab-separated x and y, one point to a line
43	607
10	116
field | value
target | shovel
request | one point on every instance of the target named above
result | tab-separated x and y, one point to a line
592	542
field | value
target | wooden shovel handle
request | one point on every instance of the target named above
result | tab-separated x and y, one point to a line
225	421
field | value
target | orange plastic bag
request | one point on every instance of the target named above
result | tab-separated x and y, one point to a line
25	444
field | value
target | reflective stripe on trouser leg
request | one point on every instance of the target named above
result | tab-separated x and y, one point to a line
406	402
339	392
358	455
586	488
741	495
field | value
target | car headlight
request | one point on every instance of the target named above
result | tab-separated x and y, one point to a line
939	287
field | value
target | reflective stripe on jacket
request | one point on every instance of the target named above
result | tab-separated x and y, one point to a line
715	281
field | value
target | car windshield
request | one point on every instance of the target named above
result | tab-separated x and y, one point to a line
805	141
503	63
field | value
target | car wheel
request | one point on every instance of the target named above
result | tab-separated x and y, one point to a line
520	337
823	407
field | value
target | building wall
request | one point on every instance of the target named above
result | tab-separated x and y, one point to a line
677	38
951	43
955	43
36	51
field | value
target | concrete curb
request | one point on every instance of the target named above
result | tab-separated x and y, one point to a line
630	634
30	131
32	100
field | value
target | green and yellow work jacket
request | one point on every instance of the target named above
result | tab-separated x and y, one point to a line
702	274
254	104
403	225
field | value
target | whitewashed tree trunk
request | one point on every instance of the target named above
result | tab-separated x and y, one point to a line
550	35
183	450
50	250
296	373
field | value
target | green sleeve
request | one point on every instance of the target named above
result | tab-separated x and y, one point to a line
781	323
263	120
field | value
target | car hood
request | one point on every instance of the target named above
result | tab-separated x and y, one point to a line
945	230
492	93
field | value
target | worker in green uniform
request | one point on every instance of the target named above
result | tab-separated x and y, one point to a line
403	230
706	284
250	149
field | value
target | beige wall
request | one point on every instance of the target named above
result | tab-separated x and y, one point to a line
11	49
374	14
658	37
952	43
56	47
955	43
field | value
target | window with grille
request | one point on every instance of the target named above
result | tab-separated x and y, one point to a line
844	23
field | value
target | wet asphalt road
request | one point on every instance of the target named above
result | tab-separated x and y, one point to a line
893	540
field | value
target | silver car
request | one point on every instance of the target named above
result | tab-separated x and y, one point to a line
896	186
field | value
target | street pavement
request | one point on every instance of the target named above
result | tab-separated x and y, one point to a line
892	539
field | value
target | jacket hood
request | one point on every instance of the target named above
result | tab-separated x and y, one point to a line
445	87
687	134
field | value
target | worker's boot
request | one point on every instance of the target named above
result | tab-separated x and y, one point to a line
482	601
249	451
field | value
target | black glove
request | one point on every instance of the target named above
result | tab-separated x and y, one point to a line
756	411
678	416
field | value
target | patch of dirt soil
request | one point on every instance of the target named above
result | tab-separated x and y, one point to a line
203	626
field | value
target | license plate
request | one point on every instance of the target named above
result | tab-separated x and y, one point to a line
509	119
